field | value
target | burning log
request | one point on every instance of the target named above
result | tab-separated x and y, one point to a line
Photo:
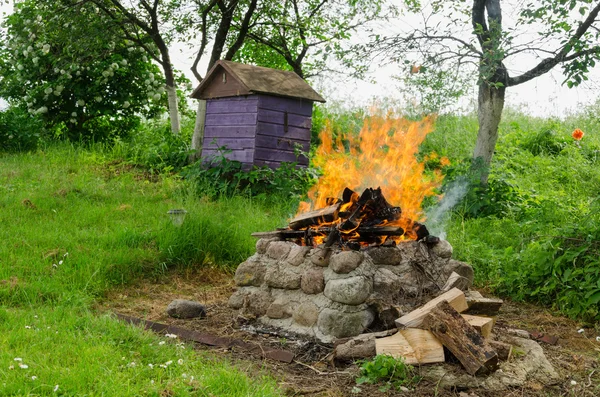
320	216
366	232
353	221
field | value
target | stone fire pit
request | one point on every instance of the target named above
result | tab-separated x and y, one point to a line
330	293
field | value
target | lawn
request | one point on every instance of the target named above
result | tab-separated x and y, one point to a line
81	222
76	224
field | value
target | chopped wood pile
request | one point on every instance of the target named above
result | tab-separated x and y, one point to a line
449	321
354	221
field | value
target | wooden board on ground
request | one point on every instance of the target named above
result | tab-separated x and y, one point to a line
465	343
415	346
455	297
482	324
484	306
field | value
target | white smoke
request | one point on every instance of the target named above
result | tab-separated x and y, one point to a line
437	217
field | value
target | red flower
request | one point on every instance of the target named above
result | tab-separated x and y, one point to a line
577	134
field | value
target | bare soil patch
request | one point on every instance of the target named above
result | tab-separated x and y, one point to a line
576	356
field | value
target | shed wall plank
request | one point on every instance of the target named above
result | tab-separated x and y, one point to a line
230	143
219	107
271	142
278	130
230	119
301	107
277	117
278	155
230	131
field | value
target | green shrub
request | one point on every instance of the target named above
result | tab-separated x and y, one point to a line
226	178
545	142
19	131
390	371
154	147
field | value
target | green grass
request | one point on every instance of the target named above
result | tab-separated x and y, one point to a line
86	354
76	223
535	233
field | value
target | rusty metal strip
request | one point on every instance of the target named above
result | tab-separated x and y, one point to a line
210	340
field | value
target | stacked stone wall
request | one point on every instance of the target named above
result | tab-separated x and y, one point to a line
337	294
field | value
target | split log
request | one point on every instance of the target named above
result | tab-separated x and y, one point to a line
465	343
482	324
316	217
504	350
415	346
484	306
455	297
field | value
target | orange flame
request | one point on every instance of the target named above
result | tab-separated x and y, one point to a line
382	155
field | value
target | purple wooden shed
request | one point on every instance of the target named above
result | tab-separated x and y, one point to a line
261	114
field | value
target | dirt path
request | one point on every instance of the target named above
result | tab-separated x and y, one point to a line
576	356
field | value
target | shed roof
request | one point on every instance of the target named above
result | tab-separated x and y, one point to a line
260	80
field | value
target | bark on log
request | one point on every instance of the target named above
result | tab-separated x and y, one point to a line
465	343
455	297
484	306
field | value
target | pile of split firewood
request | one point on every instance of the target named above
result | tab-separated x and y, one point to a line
460	322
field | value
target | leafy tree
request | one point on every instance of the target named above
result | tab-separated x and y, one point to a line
567	35
149	25
308	34
93	87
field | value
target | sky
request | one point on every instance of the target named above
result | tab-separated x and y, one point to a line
543	96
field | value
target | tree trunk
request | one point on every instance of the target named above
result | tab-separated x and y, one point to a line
198	137
489	113
173	110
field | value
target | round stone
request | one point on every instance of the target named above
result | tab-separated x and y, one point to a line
351	291
250	273
281	276
279	249
263	243
385	255
442	249
257	302
236	300
342	325
181	308
345	261
279	309
313	281
306	314
296	255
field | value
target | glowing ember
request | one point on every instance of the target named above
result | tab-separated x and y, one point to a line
382	155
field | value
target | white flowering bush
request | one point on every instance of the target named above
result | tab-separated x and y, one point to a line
71	67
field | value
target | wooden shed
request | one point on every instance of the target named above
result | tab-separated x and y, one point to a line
262	115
